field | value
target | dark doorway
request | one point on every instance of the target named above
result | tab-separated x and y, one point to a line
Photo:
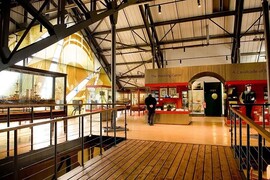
212	97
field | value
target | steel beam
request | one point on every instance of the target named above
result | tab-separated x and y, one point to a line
131	77
194	39
61	32
133	68
265	6
34	12
150	35
235	55
154	32
4	29
113	21
183	20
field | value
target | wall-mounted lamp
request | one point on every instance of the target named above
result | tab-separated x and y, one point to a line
166	62
159	9
180	61
199	3
226	58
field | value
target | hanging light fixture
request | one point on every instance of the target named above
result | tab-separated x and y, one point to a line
159	9
199	3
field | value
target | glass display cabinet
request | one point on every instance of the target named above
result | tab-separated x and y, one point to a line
30	86
100	94
137	102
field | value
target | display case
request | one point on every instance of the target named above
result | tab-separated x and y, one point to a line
185	100
137	102
123	97
172	103
97	94
30	86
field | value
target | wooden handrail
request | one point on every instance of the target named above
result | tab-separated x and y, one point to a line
265	134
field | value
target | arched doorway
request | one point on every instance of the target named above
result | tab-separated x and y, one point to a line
206	91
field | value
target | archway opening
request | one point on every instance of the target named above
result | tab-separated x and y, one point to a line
206	95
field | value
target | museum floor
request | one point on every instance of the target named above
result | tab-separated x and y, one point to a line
202	130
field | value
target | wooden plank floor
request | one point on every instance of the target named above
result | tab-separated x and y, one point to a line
140	159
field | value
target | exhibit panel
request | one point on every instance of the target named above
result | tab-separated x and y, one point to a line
232	78
172	103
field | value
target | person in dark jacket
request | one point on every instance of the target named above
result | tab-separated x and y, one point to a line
248	98
150	103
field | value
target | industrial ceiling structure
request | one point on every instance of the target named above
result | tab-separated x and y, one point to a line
135	35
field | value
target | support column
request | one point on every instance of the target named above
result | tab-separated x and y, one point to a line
113	20
4	29
265	7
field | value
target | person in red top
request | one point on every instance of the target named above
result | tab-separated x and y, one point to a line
150	103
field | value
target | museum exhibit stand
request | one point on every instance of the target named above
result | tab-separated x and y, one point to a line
231	83
172	103
259	110
31	93
137	100
124	97
97	94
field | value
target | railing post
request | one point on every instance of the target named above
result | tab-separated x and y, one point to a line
248	152
79	122
107	112
82	141
55	149
32	129
91	118
260	156
16	169
263	116
8	133
235	140
100	134
114	124
240	144
125	121
231	124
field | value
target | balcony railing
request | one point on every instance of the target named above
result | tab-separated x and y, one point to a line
48	148
250	141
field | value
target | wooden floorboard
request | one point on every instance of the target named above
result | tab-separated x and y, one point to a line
140	159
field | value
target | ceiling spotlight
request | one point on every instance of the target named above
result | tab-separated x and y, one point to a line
199	3
159	9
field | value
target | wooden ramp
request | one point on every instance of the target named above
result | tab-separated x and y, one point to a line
139	159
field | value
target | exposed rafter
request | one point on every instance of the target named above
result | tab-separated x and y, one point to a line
193	39
237	31
59	32
183	20
145	14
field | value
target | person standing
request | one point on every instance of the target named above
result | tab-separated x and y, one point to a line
248	98
150	103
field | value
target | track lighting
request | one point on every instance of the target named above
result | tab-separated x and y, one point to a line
199	3
159	9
